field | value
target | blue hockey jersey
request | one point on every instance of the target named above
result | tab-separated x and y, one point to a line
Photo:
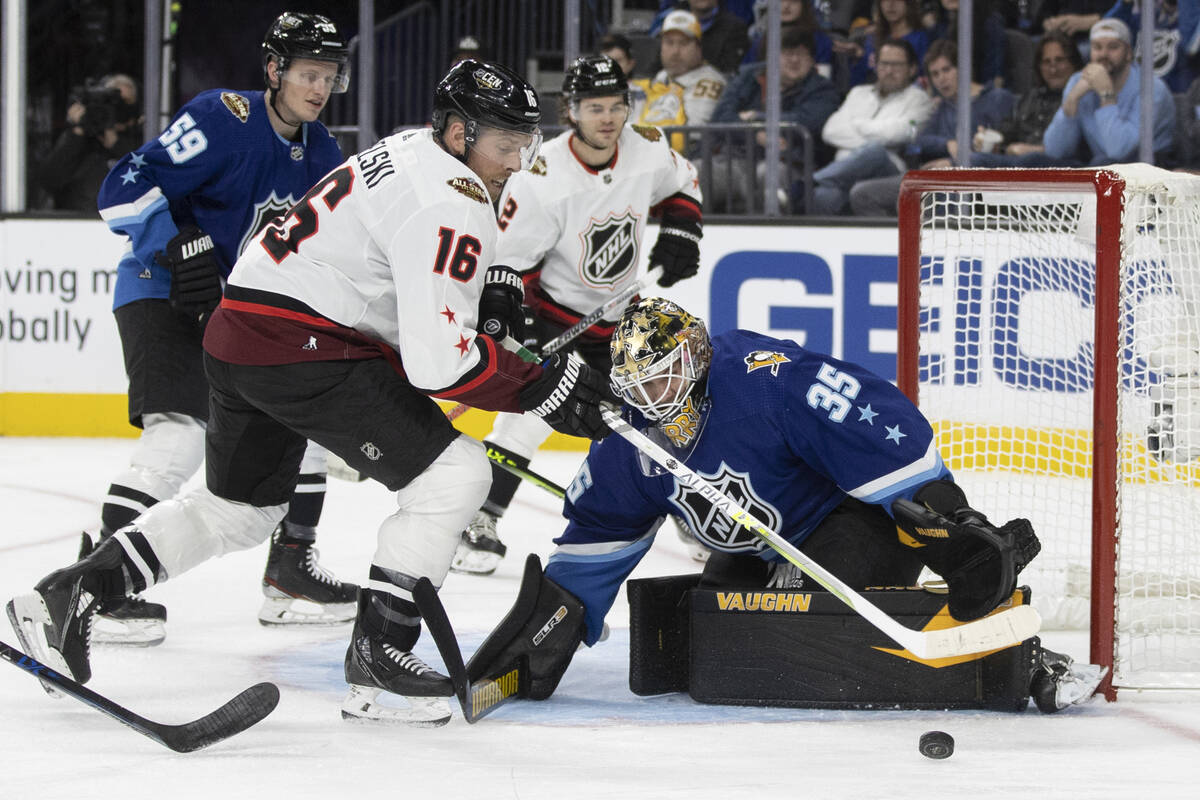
221	166
787	432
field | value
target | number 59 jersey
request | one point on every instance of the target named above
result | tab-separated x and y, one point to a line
389	250
220	165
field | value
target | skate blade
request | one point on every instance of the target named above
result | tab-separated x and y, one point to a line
28	614
1082	684
422	712
281	611
474	562
128	632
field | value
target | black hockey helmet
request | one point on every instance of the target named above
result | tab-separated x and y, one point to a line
594	76
300	35
484	93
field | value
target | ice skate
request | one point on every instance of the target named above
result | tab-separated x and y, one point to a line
54	621
374	666
299	591
129	620
697	551
1059	682
480	550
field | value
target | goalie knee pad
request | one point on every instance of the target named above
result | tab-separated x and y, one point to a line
979	561
537	637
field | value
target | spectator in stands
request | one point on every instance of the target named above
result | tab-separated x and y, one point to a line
468	46
892	19
686	90
1101	107
806	98
1017	141
935	146
871	128
1175	38
987	36
1187	148
1073	18
726	35
800	14
103	124
620	50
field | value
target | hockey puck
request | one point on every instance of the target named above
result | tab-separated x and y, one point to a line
936	744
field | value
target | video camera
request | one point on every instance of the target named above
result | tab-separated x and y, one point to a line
104	107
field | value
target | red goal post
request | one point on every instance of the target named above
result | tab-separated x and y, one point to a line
1049	327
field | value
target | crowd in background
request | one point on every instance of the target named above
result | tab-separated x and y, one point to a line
870	85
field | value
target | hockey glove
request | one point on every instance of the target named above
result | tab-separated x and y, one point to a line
677	250
501	312
196	269
568	396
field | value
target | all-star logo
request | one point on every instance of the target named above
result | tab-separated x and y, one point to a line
265	211
238	106
712	525
609	249
468	187
371	451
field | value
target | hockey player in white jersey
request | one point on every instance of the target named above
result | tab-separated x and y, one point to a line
574	226
338	325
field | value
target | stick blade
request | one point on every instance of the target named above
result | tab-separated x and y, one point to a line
993	632
246	709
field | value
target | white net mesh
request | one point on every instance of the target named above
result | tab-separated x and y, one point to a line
1006	364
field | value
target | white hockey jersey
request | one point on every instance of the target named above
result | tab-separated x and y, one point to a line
584	227
385	255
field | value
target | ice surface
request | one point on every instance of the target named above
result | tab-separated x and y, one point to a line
593	739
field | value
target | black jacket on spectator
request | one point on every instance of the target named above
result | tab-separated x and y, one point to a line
1031	116
724	42
808	102
74	169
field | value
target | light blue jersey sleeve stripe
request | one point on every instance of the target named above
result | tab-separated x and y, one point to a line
927	468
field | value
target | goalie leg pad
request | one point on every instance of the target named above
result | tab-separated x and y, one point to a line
538	636
979	561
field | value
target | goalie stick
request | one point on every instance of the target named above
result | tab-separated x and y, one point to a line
999	629
585	322
249	707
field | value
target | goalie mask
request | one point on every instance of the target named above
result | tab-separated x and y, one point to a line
294	35
487	95
660	354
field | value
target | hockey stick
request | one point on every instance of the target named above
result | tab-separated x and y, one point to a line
477	699
504	459
1000	629
585	322
237	715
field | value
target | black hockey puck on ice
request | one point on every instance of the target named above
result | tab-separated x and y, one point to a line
936	744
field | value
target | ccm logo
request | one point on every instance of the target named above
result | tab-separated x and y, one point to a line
558	617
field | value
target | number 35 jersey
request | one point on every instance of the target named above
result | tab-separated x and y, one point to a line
219	165
385	255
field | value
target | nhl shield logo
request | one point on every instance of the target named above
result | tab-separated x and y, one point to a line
609	249
714	527
264	212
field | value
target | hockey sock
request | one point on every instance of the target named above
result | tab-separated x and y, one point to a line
385	616
122	506
504	486
308	500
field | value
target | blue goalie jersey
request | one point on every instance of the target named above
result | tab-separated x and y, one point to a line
786	432
219	165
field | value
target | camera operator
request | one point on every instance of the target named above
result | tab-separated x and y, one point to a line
104	123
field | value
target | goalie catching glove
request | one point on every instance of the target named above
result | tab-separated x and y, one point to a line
501	305
979	561
677	250
196	269
568	396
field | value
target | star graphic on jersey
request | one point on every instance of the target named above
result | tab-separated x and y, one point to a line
138	160
894	434
129	176
865	414
464	344
447	313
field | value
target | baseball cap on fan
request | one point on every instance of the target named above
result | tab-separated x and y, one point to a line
1109	28
682	21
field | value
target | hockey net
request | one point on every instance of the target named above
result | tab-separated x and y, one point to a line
1049	328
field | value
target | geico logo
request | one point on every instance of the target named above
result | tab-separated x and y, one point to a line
763	601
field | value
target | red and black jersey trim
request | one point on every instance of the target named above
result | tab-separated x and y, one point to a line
495	383
679	206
